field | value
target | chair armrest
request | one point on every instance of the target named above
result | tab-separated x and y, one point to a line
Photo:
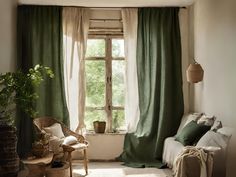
67	148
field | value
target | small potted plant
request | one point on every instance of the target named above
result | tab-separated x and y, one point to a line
16	89
99	126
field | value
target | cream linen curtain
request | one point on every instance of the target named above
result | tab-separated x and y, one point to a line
75	32
130	23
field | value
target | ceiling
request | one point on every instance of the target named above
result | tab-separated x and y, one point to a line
110	3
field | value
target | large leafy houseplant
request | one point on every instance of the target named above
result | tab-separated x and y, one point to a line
17	89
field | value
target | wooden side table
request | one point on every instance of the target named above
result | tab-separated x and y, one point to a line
37	165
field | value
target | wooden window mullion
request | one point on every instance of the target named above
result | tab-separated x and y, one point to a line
108	84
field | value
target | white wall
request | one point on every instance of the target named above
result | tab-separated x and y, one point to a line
184	30
7	35
103	146
215	49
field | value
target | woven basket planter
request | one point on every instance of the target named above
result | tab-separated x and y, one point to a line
9	160
63	171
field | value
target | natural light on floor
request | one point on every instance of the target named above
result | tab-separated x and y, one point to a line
115	169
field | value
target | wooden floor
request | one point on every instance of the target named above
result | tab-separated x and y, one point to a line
115	169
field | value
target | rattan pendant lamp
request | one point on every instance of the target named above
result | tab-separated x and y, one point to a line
194	73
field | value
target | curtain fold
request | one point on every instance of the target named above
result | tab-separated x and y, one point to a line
39	41
159	85
75	32
130	25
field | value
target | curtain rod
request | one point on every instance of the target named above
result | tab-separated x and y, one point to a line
119	8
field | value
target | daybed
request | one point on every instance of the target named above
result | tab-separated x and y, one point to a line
215	141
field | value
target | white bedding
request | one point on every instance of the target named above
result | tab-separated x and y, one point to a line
171	150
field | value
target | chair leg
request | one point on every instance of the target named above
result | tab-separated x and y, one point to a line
70	164
85	162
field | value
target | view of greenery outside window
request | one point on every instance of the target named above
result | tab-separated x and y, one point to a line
105	69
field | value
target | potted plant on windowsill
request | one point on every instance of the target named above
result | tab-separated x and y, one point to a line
99	126
16	89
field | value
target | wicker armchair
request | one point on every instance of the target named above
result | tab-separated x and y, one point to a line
48	121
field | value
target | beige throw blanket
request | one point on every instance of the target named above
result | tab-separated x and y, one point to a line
193	162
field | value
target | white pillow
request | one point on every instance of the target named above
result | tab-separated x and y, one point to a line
69	140
215	139
217	125
206	120
188	118
55	130
226	131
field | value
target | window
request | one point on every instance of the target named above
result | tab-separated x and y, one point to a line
105	69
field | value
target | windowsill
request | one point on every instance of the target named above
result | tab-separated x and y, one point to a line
92	133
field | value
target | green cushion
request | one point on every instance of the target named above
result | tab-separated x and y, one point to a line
191	133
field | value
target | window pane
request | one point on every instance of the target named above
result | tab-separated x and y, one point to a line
95	83
95	48
118	48
93	115
118	71
118	120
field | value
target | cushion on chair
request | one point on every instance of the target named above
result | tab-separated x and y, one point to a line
191	133
55	130
69	140
78	146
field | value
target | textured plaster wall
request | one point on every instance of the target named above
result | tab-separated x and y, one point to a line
214	44
7	35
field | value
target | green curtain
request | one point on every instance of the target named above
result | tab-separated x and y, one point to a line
39	34
160	86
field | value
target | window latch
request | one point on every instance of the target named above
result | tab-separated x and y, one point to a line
108	79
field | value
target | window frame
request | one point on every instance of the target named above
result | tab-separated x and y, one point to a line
108	107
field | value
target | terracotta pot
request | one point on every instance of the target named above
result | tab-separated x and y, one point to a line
99	126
